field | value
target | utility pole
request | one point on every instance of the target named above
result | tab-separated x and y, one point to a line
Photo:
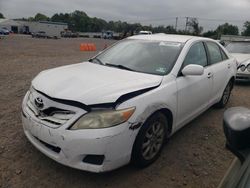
176	23
186	24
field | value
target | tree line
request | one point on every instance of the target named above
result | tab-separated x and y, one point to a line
79	21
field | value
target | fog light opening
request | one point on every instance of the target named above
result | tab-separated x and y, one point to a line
94	159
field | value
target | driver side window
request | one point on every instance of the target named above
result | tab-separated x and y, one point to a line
196	55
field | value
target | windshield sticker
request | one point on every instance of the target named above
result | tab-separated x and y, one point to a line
161	69
169	44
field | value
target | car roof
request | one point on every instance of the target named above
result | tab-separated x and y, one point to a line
165	37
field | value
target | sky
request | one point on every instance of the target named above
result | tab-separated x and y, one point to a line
210	13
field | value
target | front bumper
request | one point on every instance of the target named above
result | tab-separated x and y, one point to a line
71	147
243	76
112	146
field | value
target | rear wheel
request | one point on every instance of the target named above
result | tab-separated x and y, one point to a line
225	96
150	140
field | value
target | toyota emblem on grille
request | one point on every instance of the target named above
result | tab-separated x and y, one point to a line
39	102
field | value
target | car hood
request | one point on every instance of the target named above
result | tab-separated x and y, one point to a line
241	58
91	83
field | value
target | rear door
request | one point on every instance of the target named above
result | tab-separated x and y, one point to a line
193	92
220	65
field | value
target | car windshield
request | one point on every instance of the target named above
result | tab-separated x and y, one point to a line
153	57
239	47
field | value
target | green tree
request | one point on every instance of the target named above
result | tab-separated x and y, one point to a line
170	29
1	15
246	29
79	21
41	17
210	34
194	24
162	29
227	29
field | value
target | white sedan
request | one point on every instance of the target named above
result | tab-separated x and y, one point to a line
241	51
125	102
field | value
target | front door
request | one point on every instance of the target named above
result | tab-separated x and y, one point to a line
194	92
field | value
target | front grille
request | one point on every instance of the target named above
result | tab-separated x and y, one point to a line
50	116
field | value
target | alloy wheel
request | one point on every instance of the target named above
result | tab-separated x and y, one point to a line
153	140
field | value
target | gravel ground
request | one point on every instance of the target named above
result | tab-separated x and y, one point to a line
194	157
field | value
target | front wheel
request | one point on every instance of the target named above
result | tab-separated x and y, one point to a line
150	140
225	96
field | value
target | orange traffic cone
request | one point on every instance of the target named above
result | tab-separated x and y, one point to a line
87	47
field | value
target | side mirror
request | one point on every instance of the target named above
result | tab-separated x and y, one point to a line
193	70
236	124
222	42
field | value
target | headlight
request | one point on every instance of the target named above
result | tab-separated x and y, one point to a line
242	68
248	67
103	118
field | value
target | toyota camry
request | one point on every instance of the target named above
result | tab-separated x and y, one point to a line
241	51
124	103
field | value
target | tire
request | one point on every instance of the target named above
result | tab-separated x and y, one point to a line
150	140
225	96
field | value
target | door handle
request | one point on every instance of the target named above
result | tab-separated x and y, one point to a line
209	75
229	66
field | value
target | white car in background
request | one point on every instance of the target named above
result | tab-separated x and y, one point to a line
241	51
145	33
125	102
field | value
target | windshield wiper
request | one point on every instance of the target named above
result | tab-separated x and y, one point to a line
96	60
119	66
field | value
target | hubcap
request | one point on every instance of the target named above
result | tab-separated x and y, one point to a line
226	94
153	141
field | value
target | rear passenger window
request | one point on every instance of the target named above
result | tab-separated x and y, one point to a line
214	52
196	55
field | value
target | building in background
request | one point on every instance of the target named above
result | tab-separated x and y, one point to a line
11	25
52	29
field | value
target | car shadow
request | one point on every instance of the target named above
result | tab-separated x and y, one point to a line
242	83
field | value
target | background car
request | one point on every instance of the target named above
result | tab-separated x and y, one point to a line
69	34
241	51
4	31
145	33
107	34
39	34
236	125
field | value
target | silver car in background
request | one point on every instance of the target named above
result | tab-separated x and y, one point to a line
241	51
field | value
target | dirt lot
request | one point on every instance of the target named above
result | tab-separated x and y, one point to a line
194	157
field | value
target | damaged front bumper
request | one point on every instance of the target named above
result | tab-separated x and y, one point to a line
94	150
89	150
